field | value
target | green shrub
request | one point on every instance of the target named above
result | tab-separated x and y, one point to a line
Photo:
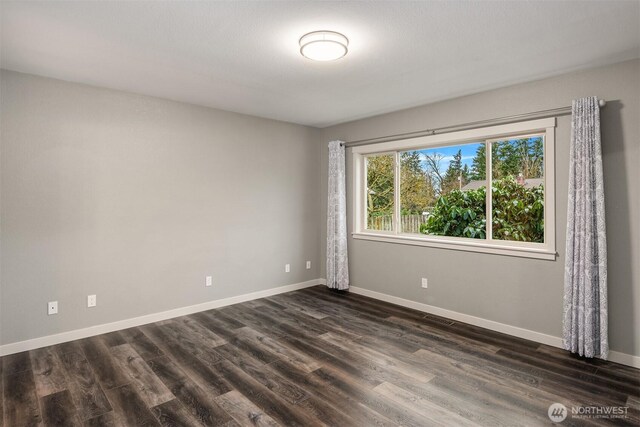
458	213
518	213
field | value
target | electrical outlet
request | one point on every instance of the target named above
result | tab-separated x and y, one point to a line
287	268
52	307
208	281
91	301
308	265
425	283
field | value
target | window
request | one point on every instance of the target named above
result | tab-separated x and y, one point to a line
380	192
488	190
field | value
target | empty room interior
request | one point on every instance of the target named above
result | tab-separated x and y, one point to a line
320	213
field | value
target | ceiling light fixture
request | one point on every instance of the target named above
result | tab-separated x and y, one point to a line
323	45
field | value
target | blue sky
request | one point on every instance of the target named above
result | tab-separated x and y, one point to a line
468	153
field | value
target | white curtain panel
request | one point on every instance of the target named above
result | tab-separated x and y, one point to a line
337	262
585	283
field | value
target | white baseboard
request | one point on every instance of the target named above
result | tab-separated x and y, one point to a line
624	359
149	318
614	356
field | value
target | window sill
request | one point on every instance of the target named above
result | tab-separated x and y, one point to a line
461	245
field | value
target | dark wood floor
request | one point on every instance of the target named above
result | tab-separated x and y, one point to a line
311	357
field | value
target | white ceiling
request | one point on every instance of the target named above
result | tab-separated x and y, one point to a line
243	56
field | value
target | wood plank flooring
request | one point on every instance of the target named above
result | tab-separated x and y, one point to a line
308	358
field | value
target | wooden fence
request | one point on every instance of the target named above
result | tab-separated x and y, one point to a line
409	223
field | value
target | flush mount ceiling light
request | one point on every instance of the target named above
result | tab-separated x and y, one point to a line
323	45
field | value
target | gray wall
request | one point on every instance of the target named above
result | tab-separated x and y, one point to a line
517	291
137	199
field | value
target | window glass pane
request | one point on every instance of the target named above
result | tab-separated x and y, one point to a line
417	193
443	191
518	189
380	192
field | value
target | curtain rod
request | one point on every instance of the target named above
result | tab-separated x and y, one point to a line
554	112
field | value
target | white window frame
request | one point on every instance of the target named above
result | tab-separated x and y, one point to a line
546	250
